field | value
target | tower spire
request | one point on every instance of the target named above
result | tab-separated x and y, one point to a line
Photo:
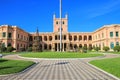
54	16
37	31
37	34
66	16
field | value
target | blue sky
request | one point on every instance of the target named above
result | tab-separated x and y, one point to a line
84	15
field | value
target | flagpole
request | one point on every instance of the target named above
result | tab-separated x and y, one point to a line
60	25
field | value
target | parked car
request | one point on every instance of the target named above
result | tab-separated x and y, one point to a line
1	55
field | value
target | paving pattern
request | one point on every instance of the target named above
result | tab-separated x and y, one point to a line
66	69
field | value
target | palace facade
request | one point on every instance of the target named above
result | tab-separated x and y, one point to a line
108	35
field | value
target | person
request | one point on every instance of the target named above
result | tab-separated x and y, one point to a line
1	55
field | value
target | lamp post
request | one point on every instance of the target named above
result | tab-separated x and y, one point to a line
60	25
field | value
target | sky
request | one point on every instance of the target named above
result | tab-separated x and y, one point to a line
83	15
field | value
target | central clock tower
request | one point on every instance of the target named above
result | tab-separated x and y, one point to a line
56	24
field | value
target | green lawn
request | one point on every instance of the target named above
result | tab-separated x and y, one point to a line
13	66
59	55
115	52
110	65
8	53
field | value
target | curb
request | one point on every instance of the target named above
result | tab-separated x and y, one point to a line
59	58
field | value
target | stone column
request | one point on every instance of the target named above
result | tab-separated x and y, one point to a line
63	47
42	47
53	47
77	37
57	47
67	48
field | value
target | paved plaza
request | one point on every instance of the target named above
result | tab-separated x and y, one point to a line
61	69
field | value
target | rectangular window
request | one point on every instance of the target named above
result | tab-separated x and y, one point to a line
103	45
111	34
117	34
64	37
9	35
4	34
21	36
18	35
102	35
56	37
56	22
117	43
99	36
96	36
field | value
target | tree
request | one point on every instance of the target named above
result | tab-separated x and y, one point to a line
2	47
116	48
36	43
106	48
84	49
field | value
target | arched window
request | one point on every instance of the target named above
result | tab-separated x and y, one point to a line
80	38
90	37
75	38
50	38
45	38
80	46
75	46
50	47
85	38
71	46
70	38
111	45
64	37
55	37
45	46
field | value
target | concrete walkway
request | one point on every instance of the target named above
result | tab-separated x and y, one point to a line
65	69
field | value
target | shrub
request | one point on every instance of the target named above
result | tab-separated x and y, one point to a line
84	49
97	48
3	49
106	48
29	49
116	48
22	49
90	48
10	49
94	47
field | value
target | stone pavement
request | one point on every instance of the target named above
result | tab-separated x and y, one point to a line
61	69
